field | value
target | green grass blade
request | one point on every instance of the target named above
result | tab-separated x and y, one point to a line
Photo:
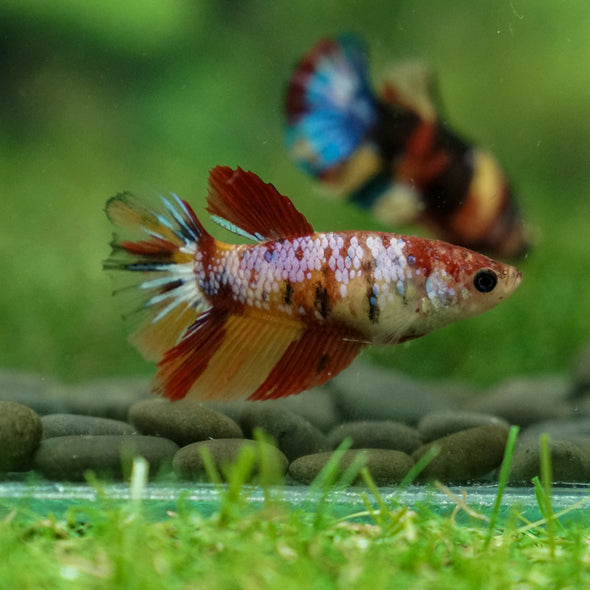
502	482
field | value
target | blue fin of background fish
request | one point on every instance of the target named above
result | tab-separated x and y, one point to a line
330	105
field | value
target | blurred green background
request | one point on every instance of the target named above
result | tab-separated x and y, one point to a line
99	97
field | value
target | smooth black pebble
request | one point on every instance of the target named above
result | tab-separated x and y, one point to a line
439	424
71	424
367	392
386	467
188	462
569	461
465	455
109	456
185	421
20	433
377	434
293	434
524	401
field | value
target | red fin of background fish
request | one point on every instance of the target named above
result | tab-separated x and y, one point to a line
253	206
317	356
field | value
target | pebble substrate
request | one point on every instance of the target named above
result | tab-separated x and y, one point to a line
61	432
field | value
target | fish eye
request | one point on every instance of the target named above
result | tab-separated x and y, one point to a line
485	280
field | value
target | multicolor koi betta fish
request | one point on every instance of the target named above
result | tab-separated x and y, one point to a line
390	153
290	311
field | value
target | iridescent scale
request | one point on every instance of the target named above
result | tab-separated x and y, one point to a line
315	275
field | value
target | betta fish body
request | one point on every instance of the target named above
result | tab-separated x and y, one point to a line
293	309
389	151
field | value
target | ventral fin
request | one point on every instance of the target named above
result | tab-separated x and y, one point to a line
311	360
241	202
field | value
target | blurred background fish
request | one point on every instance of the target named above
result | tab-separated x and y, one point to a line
390	152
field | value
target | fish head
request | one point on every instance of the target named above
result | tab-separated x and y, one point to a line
448	283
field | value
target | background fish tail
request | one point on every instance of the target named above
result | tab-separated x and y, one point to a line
330	104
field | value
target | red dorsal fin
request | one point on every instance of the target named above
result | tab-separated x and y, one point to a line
247	203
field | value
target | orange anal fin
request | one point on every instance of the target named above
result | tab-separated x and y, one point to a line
225	356
183	364
257	208
153	339
317	356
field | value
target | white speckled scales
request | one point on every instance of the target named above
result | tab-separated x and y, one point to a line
349	277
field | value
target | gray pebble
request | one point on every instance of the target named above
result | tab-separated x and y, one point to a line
574	429
569	461
293	434
34	391
185	421
523	401
106	398
20	432
188	462
368	392
386	467
377	434
70	424
232	410
438	424
465	455
317	406
110	456
581	374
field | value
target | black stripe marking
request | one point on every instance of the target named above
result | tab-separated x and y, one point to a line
374	309
322	300
288	295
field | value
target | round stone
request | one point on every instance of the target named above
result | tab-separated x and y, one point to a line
577	429
316	405
20	432
570	461
185	421
377	434
293	434
367	392
524	401
71	424
581	374
188	462
439	424
109	456
386	467
34	391
465	455
106	398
